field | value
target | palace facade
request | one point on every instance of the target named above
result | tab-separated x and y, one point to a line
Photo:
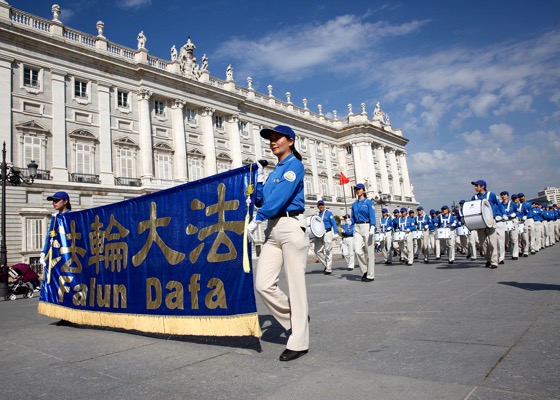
107	123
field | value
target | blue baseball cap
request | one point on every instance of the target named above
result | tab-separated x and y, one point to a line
320	203
514	196
282	129
384	210
411	211
419	208
445	207
462	202
504	192
479	182
432	211
403	209
59	196
360	186
396	210
520	195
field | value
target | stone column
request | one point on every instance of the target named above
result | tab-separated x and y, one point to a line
232	129
6	102
404	172
396	189
106	175
179	141
59	170
146	144
380	151
209	143
331	182
313	152
358	167
368	166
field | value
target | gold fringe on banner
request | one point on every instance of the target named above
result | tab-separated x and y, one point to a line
235	325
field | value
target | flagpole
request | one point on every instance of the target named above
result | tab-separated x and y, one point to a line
345	204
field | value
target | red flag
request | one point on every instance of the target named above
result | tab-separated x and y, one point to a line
343	179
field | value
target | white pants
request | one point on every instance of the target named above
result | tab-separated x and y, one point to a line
323	250
348	251
501	236
386	247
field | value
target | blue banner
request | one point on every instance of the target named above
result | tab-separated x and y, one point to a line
167	262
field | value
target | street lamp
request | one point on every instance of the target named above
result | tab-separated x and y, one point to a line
14	177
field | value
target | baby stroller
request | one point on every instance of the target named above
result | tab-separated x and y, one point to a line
21	279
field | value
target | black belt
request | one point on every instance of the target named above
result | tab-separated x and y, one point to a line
358	223
287	214
328	230
349	235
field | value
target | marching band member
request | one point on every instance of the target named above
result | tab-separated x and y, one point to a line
536	242
396	250
348	241
363	217
407	225
490	246
433	242
511	235
557	223
386	227
437	248
501	229
447	221
281	201
463	240
61	204
324	245
423	223
528	233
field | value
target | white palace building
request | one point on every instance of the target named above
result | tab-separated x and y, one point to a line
105	123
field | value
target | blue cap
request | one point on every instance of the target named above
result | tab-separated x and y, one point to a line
504	192
445	207
479	182
403	209
520	195
59	196
462	202
320	203
282	129
395	210
419	208
432	211
411	211
360	186
384	210
514	196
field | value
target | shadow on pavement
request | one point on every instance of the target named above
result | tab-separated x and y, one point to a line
531	286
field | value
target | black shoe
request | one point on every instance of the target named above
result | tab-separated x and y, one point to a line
388	262
501	262
426	261
289	355
369	280
525	255
451	262
488	264
493	266
364	277
532	252
473	259
515	258
327	272
437	258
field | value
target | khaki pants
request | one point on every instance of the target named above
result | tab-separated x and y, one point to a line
501	237
285	244
364	246
512	239
490	246
323	250
348	251
386	247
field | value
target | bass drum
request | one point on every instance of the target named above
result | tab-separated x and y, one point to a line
478	214
315	227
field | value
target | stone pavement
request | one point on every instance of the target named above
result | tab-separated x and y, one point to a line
433	331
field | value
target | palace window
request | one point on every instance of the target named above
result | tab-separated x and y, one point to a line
31	77
122	99
195	168
164	166
223	166
243	128
35	234
127	163
219	122
159	108
349	150
191	116
80	89
32	150
308	184
324	186
84	158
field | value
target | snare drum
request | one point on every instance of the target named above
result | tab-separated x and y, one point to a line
463	231
521	228
443	233
478	214
510	226
399	236
417	234
315	227
379	237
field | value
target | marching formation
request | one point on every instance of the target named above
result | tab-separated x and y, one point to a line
488	226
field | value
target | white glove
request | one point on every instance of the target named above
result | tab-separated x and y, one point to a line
335	236
524	218
372	230
42	260
251	229
505	218
513	215
498	218
260	173
407	230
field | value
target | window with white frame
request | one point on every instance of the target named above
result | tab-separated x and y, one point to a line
35	234
339	191
32	150
349	150
324	186
159	108
191	116
308	184
122	99
164	166
219	122
31	77
195	168
243	128
84	158
319	148
127	163
81	89
223	166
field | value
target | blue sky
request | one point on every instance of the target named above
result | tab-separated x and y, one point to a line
474	85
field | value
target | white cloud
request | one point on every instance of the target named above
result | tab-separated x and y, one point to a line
133	3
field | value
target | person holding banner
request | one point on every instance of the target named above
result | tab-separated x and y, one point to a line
61	204
281	201
324	245
363	217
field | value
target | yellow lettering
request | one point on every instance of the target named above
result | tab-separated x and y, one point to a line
92	292
217	296
194	287
79	298
62	287
151	303
104	299
119	296
175	299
